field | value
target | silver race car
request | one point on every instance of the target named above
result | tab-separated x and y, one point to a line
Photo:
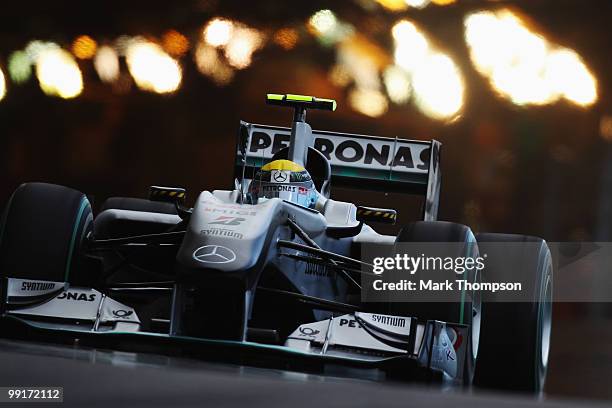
272	272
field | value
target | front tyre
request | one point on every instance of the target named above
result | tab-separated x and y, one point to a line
42	232
515	336
467	311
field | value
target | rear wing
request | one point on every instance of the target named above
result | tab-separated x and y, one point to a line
357	161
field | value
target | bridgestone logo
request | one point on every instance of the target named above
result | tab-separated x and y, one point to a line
32	286
390	320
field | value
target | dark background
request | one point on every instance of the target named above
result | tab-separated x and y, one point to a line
543	171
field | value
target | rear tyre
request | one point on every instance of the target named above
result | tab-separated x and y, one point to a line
42	233
466	312
515	337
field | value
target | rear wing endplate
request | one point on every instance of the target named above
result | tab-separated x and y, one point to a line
357	161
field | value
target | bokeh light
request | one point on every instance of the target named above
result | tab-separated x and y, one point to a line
327	28
393	5
402	5
605	127
417	3
243	43
411	46
58	73
360	61
522	65
175	43
35	48
121	44
2	85
237	42
436	81
339	75
397	84
84	47
569	76
363	61
19	67
323	22
210	63
106	63
368	102
152	69
218	32
287	38
438	87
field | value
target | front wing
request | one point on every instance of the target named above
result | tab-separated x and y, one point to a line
400	347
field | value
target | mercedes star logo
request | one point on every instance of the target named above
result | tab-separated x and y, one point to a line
279	177
214	254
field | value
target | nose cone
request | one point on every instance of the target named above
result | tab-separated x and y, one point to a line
226	237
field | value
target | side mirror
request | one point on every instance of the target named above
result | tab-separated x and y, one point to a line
371	214
167	194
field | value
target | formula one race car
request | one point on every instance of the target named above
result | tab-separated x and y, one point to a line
269	273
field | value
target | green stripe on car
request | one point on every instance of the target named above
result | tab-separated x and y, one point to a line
75	228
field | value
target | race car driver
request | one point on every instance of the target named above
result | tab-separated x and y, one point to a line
286	180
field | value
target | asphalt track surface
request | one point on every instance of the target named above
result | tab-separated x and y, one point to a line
102	378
